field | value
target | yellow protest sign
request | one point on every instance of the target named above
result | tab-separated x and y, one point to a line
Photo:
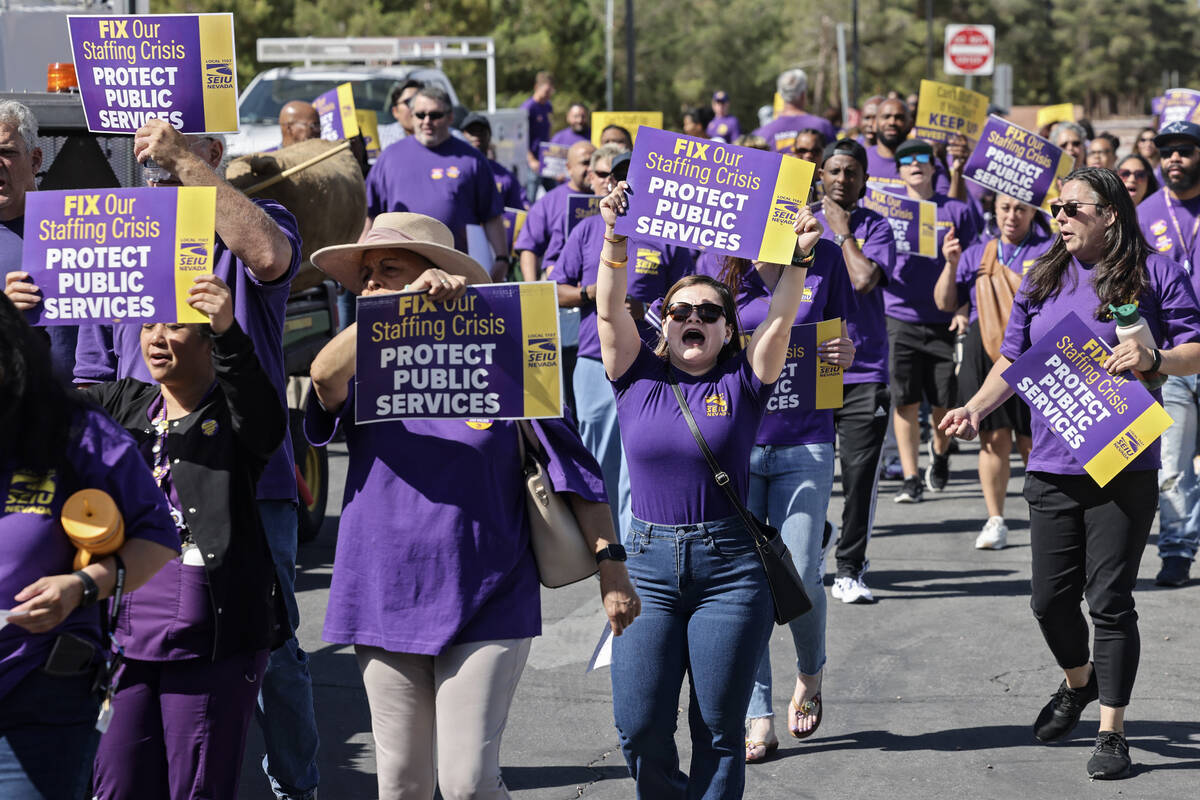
629	120
943	110
1048	115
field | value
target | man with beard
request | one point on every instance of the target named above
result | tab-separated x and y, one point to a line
869	250
1170	219
780	132
893	123
579	126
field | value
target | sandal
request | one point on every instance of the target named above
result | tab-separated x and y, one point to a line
769	749
807	708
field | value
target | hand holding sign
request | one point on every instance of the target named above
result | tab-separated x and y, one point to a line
23	293
839	351
808	231
157	140
210	296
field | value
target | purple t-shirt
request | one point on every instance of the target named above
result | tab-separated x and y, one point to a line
868	328
828	294
567	137
62	337
781	132
539	122
512	193
886	172
451	183
429	558
1180	245
909	295
544	231
710	263
1169	308
653	269
725	127
669	480
1018	258
104	457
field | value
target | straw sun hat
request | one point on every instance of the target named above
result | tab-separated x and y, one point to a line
399	230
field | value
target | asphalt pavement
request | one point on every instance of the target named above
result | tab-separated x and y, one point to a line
929	693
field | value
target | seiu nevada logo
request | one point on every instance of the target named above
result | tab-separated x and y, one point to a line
1129	444
785	209
218	75
716	405
543	351
192	254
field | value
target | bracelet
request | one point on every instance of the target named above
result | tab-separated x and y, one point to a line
615	240
614	264
91	592
1157	361
804	261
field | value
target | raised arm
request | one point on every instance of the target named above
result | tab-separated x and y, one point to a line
945	291
767	350
619	340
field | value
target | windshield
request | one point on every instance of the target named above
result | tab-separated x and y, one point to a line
262	103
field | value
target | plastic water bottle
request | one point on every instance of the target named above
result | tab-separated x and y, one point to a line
1130	325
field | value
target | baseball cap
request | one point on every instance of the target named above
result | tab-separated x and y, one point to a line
846	147
621	163
475	118
720	97
1178	129
910	147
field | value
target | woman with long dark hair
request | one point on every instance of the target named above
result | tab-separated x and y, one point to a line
1138	175
1087	541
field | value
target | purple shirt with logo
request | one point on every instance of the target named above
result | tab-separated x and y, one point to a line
886	172
451	183
909	295
828	294
868	328
781	132
1155	221
1169	308
429	558
512	193
669	480
653	269
725	127
539	122
568	137
35	545
112	352
1018	258
545	228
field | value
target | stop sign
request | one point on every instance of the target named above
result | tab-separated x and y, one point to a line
970	50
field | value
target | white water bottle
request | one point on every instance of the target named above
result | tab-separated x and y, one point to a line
1130	325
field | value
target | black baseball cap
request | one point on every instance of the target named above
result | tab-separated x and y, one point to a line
846	147
912	147
475	118
621	162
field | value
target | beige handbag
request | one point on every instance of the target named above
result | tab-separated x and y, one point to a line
561	552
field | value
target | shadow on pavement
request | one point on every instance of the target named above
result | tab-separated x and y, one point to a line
922	584
518	778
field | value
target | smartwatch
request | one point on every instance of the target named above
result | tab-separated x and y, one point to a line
615	552
91	592
838	239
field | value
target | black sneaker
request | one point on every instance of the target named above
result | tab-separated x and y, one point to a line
913	491
938	472
1175	571
1110	757
1061	714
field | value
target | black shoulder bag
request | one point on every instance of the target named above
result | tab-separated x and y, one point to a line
787	589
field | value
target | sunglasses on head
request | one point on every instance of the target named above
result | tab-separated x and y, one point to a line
708	312
1136	174
920	158
1185	150
1070	208
433	115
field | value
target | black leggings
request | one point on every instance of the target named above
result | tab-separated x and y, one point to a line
1087	542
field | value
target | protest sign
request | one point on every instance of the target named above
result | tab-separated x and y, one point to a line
1013	161
579	208
118	255
1105	420
1179	104
699	193
492	353
514	220
368	126
1048	115
943	110
629	120
335	109
552	160
177	67
807	382
914	222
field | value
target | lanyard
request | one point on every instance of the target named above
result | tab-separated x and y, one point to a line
1017	252
1187	246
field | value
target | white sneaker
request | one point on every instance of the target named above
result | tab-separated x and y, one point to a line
851	590
994	535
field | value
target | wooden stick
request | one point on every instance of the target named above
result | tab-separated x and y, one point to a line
274	179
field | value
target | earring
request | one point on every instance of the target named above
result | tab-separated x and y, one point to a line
726	340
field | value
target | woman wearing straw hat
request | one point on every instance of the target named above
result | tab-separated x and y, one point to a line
54	444
433	581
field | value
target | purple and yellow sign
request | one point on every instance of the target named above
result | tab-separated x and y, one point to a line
629	120
368	126
118	255
1105	420
177	67
807	382
514	220
944	110
552	160
335	109
699	193
492	353
579	208
1013	161
914	222
1178	104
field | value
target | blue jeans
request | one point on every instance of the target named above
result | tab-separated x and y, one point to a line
285	704
1178	494
596	408
790	488
48	738
706	611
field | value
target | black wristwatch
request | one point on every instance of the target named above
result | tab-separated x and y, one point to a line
91	592
614	551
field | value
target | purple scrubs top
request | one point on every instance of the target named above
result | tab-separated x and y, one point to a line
1018	258
1169	308
452	183
909	295
110	353
568	137
781	132
868	328
653	269
429	558
669	480
539	122
544	231
35	545
886	172
725	127
1180	244
828	294
512	193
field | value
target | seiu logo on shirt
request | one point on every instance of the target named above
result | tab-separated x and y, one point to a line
1158	227
452	172
648	261
31	493
716	405
1163	243
437	173
807	296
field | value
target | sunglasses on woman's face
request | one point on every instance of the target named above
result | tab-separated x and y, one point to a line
708	312
920	158
433	115
1136	174
1070	208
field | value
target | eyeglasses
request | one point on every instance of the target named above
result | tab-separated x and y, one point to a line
708	312
1149	138
601	173
920	158
1184	150
1071	208
432	115
1136	174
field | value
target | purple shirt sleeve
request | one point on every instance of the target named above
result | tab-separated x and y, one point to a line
1177	303
95	360
570	467
879	245
535	234
569	269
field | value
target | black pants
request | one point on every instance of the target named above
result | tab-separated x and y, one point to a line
1087	542
862	423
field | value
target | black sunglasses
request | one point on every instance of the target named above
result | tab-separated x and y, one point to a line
1185	150
1136	174
1071	208
601	173
433	115
708	312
